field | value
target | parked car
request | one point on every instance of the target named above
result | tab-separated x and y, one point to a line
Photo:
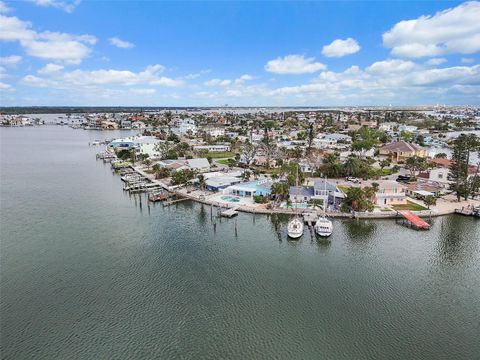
403	178
353	179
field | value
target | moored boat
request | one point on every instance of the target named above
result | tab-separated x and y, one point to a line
295	228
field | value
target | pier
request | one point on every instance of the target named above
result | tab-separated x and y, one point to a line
414	220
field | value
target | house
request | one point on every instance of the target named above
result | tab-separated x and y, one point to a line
122	144
328	192
439	174
400	151
200	164
110	125
212	148
249	189
390	193
217	183
215	132
420	189
299	194
126	124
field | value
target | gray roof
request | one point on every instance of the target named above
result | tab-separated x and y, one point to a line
320	184
301	191
201	163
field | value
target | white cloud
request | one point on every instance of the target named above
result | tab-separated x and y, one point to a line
436	61
56	78
390	66
4	86
10	60
243	78
122	44
217	82
50	69
455	30
67	6
339	48
196	75
377	84
467	60
46	45
143	91
293	64
3	7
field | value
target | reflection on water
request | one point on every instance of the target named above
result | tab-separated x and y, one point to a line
456	245
360	231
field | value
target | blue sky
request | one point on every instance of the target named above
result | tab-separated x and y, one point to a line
61	52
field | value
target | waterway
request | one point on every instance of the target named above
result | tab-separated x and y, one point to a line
89	272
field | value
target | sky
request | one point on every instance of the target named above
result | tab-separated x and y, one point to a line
246	53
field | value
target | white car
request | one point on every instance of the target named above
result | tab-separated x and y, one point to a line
353	179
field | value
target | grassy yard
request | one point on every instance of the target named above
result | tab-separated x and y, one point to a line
343	188
221	154
223	162
409	206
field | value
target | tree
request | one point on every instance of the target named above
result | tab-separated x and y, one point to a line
147	163
331	165
249	151
415	163
201	181
357	199
430	200
385	163
311	136
440	156
406	135
458	175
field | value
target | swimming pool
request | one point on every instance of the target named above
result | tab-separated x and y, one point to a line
231	199
294	206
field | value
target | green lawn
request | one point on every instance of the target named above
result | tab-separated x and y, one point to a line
409	206
223	162
221	154
343	188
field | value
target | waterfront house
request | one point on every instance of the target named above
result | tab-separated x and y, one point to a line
390	193
301	194
249	189
329	193
400	151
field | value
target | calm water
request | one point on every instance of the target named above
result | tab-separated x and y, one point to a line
88	272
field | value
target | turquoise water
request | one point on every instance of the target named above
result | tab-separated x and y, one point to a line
89	272
231	199
295	205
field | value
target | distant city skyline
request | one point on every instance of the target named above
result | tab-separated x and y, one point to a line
73	53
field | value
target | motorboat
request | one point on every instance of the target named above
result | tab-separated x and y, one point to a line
323	227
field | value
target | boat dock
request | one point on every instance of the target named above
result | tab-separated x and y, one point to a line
468	211
414	220
229	213
310	218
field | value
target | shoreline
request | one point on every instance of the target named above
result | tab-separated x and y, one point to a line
260	210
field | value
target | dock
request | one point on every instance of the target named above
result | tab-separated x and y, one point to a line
310	218
414	220
229	213
468	211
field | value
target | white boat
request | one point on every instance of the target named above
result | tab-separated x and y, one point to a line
295	226
323	226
